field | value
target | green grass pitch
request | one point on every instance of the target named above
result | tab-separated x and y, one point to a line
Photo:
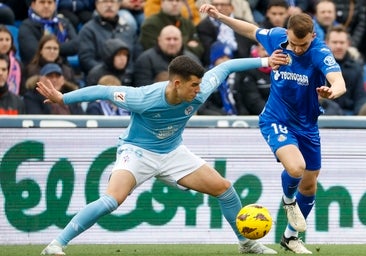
175	250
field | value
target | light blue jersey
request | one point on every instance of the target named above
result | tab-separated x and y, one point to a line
156	125
293	98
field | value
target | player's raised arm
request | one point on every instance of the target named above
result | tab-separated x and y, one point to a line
240	26
52	95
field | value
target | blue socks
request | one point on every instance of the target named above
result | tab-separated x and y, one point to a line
230	205
305	203
87	217
289	184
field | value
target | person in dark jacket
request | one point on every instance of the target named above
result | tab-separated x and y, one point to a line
152	62
252	86
34	102
338	40
116	56
42	19
10	103
105	24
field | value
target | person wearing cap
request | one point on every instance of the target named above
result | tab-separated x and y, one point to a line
34	101
222	101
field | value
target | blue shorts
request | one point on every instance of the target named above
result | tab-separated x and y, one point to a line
279	135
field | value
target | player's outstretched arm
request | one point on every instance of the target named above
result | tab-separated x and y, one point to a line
240	26
46	88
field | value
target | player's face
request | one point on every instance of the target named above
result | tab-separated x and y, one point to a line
188	90
299	45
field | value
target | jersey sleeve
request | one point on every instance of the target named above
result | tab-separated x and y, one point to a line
271	39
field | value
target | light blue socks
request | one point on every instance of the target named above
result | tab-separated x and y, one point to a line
86	218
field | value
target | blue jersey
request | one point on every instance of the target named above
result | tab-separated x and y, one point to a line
293	99
155	124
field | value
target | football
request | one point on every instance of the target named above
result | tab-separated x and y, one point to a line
254	221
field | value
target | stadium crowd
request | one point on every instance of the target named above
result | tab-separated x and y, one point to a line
79	41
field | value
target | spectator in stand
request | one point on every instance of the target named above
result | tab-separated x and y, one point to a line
352	15
221	101
105	107
170	14
277	14
105	24
78	12
252	86
210	30
338	40
10	103
34	102
157	59
134	11
48	51
16	74
324	17
189	9
116	56
7	16
259	8
242	10
42	20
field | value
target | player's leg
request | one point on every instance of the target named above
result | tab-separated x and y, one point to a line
207	180
120	184
294	164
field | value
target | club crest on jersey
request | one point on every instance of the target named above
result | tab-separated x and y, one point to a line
188	110
119	96
281	138
329	61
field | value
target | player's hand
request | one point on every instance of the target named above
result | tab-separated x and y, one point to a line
325	92
210	10
277	59
46	88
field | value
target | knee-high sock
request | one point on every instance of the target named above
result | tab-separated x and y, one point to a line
289	184
305	203
230	205
86	218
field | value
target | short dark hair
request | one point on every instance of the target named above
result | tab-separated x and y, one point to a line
301	24
185	67
277	3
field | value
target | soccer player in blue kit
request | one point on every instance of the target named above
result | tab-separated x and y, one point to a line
152	144
288	122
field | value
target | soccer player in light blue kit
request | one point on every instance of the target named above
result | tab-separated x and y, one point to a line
289	120
152	144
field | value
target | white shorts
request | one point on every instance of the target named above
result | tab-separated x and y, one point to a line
144	164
